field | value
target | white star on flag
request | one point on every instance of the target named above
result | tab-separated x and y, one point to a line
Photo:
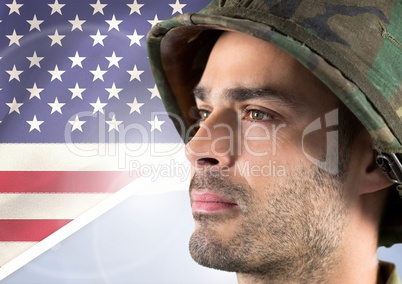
177	7
76	60
76	91
98	38
113	60
56	73
77	23
113	91
98	73
113	23
135	106
135	7
154	21
14	7
34	91
98	106
156	124
76	124
14	38
56	7
114	124
34	23
98	7
135	73
35	60
135	38
56	38
56	106
34	124
14	74
154	92
14	106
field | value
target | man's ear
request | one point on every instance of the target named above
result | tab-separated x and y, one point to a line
376	179
372	177
364	172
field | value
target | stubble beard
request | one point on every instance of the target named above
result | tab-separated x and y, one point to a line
292	233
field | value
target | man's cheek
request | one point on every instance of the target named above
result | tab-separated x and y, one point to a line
261	139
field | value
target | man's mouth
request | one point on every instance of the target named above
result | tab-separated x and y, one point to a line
207	202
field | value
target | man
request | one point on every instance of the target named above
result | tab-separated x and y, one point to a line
295	157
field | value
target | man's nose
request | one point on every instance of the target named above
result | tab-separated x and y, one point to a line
216	142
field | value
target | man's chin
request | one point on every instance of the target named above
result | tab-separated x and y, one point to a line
213	244
206	249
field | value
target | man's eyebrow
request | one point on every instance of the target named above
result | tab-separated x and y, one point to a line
243	94
199	93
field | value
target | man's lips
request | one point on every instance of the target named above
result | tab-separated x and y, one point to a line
207	202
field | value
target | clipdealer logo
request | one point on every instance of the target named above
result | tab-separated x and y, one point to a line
331	160
167	169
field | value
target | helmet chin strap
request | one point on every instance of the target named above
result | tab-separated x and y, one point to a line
391	165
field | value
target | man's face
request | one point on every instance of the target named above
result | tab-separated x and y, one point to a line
260	202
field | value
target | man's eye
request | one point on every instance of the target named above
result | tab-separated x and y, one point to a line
203	114
199	114
257	115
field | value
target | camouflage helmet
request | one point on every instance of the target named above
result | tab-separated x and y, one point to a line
354	47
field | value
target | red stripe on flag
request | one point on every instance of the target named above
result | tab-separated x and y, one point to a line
28	230
63	181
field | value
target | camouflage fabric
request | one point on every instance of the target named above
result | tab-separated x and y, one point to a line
354	47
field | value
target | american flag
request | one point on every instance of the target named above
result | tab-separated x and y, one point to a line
76	99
